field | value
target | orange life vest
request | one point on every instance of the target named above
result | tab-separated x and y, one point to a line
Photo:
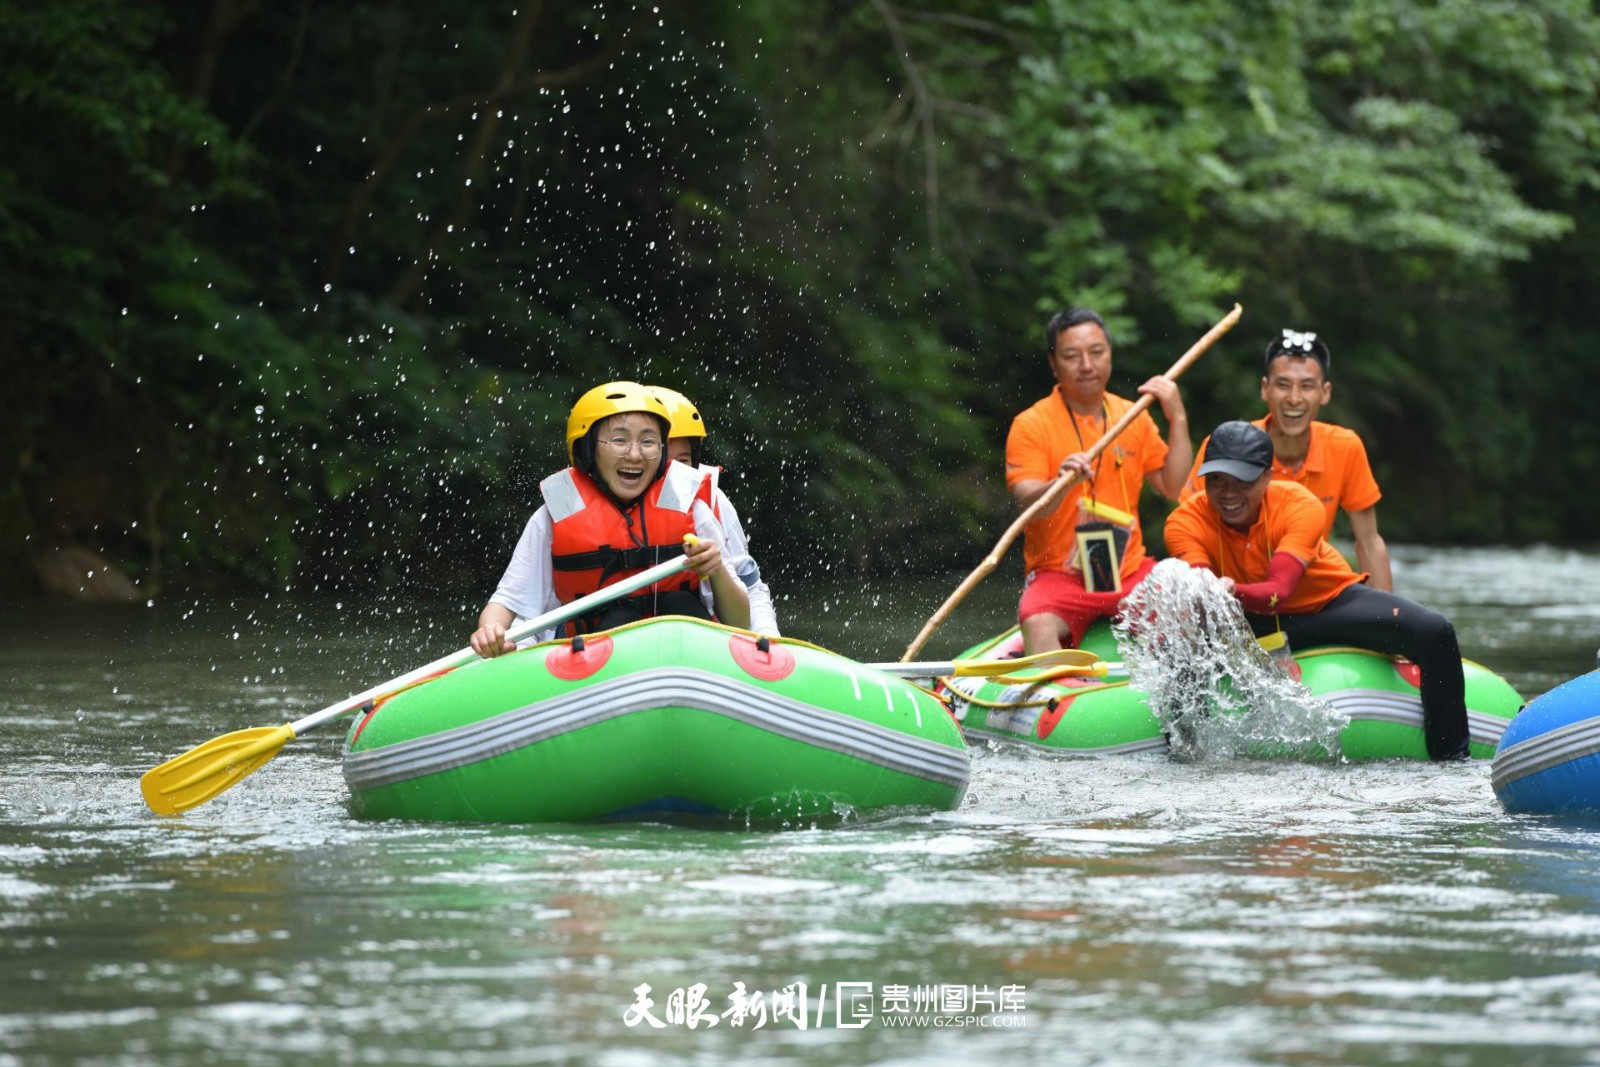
713	475
596	543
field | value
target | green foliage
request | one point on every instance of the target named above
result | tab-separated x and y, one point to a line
300	294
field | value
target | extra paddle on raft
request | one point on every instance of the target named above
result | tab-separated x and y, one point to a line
1064	661
193	778
1062	484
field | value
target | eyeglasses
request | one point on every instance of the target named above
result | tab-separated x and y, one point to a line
621	446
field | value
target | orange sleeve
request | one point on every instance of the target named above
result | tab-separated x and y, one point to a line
1297	522
1293	518
1188	532
1152	446
1027	452
1360	490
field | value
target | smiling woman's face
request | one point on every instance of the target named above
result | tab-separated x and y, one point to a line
627	453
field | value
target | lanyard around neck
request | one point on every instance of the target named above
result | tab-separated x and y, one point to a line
1105	416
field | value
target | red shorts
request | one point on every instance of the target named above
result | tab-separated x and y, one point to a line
1061	593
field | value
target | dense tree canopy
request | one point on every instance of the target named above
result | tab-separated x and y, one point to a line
301	293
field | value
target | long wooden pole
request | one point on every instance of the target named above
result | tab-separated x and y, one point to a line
1058	489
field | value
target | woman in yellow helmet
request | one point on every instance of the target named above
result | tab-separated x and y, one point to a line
621	507
686	435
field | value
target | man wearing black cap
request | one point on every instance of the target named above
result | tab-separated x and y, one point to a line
1265	538
1327	459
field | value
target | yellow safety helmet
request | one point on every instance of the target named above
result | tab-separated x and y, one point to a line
682	416
612	398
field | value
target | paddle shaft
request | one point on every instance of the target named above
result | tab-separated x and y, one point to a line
1053	495
1073	658
953	668
560	615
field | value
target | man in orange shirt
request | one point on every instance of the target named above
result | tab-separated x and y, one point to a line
1264	537
1054	436
1329	460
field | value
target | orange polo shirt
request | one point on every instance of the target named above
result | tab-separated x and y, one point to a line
1047	433
1335	470
1290	521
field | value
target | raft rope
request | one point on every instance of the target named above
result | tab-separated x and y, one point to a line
946	697
942	698
371	708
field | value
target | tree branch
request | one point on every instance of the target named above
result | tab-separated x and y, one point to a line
476	157
508	86
296	50
226	17
923	117
967	22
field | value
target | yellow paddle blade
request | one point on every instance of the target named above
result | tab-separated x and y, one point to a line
1051	674
193	778
1060	657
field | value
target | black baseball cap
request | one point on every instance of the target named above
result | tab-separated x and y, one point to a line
1240	449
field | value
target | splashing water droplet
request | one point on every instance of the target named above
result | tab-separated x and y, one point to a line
1217	691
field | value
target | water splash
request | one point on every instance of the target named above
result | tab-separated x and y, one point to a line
1189	649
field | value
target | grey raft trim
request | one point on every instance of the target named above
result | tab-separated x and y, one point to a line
1405	709
714	694
1357	705
1550	749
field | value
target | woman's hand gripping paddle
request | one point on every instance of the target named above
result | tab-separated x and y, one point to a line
193	778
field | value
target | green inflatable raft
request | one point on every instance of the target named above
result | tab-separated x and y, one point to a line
664	719
1090	716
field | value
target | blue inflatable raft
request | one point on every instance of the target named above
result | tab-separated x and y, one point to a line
1548	759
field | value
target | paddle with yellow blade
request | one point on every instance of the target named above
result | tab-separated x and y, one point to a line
1062	661
193	778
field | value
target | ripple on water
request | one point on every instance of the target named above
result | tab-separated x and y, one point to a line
1226	911
748	885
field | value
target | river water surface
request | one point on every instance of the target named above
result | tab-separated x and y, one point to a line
1115	911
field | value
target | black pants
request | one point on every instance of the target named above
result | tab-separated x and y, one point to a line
1370	618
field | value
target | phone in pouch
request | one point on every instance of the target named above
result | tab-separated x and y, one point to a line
1103	536
1100	557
